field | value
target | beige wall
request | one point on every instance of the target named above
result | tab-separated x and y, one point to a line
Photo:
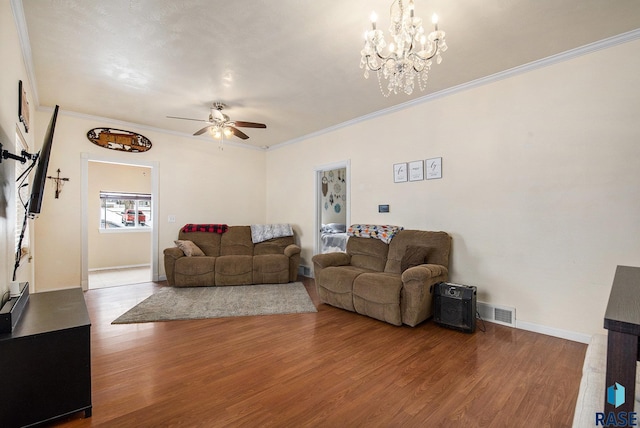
12	71
122	247
540	187
198	183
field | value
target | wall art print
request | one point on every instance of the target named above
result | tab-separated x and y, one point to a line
118	139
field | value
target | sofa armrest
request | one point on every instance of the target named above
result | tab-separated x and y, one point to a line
291	250
170	256
173	252
416	302
331	259
423	274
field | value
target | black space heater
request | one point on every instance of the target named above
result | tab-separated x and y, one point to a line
455	306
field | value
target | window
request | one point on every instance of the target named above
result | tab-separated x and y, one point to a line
125	211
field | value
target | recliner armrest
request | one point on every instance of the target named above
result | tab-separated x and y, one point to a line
291	250
417	291
331	259
423	272
173	252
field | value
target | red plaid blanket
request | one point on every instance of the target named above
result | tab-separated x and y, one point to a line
213	228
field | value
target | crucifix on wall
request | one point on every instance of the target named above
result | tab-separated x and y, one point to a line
59	182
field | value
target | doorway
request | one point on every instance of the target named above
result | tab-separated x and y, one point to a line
145	232
333	206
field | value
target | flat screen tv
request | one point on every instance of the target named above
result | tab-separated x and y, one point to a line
40	177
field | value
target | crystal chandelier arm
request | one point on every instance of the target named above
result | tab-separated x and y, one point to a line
383	62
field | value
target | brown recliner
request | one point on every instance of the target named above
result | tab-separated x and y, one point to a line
389	282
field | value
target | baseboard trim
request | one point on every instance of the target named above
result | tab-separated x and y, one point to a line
119	267
556	332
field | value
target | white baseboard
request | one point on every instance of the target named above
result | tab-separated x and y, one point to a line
119	267
556	332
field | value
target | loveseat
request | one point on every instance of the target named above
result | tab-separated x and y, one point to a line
391	282
229	256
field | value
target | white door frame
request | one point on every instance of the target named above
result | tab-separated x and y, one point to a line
319	170
85	158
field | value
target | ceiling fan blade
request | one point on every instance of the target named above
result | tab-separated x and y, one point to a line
249	124
238	133
202	131
186	118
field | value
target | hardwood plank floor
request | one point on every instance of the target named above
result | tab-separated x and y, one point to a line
332	368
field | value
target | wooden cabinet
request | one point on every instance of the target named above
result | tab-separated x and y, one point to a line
45	363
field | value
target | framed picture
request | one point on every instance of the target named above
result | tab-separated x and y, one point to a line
434	168
23	106
416	170
399	172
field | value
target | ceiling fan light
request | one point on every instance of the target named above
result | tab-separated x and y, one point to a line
227	132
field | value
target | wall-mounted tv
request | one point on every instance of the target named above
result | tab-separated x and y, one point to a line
40	177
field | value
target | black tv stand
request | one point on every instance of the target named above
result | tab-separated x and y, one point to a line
46	361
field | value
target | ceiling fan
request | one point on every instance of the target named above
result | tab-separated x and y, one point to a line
219	124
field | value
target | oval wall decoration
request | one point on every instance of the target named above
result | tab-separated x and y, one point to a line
118	139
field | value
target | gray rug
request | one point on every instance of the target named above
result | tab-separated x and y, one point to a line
216	302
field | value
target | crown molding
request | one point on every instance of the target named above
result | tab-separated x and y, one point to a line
525	68
25	46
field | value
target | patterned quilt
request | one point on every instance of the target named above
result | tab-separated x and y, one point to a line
385	232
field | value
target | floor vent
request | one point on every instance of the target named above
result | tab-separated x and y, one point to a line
305	271
498	314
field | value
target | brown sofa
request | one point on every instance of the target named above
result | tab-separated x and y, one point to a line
231	258
389	282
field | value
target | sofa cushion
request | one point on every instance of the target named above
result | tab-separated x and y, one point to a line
236	242
335	283
367	253
195	271
378	295
270	269
378	287
234	270
415	255
273	246
189	248
439	241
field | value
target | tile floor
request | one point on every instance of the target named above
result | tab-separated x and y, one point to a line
117	277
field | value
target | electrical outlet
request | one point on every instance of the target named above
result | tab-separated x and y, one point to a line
172	219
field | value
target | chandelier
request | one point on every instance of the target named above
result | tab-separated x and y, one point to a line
408	56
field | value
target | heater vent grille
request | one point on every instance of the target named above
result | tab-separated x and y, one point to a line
503	315
498	314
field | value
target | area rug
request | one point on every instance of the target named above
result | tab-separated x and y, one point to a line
187	303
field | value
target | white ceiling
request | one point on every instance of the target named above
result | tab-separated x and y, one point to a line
291	64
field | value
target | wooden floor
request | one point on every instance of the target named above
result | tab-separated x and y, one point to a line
332	368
